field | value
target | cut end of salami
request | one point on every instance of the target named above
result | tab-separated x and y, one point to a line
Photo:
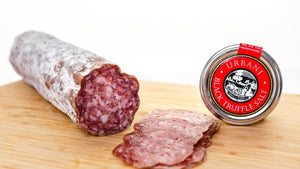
107	100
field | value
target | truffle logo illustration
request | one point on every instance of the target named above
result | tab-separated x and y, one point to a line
240	85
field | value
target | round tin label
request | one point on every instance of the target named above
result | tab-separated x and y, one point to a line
240	85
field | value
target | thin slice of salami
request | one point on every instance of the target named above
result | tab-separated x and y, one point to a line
137	148
191	130
193	117
196	158
199	153
152	147
92	91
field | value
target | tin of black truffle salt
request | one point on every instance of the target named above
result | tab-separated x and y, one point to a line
241	84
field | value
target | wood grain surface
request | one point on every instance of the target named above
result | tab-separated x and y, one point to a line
34	134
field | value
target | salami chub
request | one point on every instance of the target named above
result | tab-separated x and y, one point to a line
92	91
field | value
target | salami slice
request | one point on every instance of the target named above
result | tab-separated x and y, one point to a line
199	153
191	130
92	91
152	147
205	141
193	117
137	148
198	156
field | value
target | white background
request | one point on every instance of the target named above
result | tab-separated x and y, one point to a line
168	41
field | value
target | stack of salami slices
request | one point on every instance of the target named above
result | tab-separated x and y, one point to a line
168	139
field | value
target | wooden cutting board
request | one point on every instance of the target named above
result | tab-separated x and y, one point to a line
34	134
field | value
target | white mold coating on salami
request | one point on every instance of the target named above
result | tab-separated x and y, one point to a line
57	71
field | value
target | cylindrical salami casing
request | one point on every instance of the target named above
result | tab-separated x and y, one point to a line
92	91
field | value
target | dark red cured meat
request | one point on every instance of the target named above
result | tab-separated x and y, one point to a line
107	101
152	147
92	91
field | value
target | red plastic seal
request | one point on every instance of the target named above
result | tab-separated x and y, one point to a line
241	84
251	50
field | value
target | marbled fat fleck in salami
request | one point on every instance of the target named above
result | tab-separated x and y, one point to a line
92	91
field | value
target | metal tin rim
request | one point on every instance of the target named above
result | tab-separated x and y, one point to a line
245	120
